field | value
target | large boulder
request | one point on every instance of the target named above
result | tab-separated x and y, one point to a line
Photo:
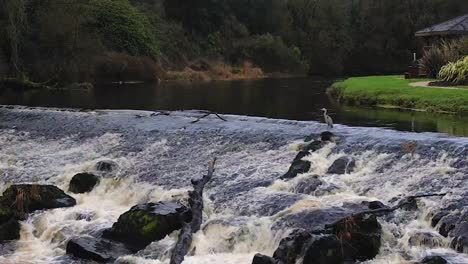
297	167
96	249
83	183
342	165
348	240
327	136
27	198
146	223
9	225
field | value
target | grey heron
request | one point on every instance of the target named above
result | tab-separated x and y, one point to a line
327	118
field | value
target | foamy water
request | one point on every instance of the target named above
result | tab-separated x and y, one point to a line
245	204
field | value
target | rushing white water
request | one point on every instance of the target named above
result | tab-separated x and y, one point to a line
248	209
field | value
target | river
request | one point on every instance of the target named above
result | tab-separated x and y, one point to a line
294	99
248	208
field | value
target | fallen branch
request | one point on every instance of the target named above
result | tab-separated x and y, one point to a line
405	201
160	113
207	113
196	203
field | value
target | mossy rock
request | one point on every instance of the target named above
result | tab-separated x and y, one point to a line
83	183
146	223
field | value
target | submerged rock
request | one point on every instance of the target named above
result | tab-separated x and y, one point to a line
83	183
309	148
427	239
99	250
433	260
106	166
297	167
342	165
308	185
27	198
146	223
9	225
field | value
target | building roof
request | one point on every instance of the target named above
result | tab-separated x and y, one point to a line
456	26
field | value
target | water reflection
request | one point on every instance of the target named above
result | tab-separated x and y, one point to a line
298	99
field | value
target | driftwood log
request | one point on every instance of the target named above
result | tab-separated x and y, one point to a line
207	113
196	203
405	201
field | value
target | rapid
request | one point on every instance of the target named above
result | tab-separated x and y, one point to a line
248	208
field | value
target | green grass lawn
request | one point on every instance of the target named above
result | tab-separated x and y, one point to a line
395	91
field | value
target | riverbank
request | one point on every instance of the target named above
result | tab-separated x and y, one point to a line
395	91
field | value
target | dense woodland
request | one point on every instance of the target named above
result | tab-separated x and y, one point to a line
89	40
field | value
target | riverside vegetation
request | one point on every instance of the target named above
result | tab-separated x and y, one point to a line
55	43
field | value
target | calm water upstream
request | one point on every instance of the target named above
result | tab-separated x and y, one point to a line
296	99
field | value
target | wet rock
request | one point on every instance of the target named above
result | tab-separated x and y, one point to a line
361	236
309	148
146	223
313	219
308	185
460	237
262	259
83	183
297	167
87	216
374	205
342	165
9	225
106	166
433	260
427	239
327	136
35	197
437	217
448	223
96	249
324	250
349	240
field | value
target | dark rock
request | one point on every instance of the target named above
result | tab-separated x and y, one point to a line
35	197
374	205
297	167
106	166
309	148
308	185
342	165
291	247
83	182
262	259
427	239
348	240
361	235
437	217
100	250
433	260
447	223
146	223
460	237
324	250
9	225
327	136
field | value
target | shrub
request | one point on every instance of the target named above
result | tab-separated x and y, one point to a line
455	72
439	55
123	67
124	28
271	54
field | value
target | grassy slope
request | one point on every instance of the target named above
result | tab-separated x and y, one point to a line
396	91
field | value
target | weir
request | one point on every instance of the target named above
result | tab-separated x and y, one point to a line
248	208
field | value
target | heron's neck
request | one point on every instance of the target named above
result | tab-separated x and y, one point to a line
325	112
